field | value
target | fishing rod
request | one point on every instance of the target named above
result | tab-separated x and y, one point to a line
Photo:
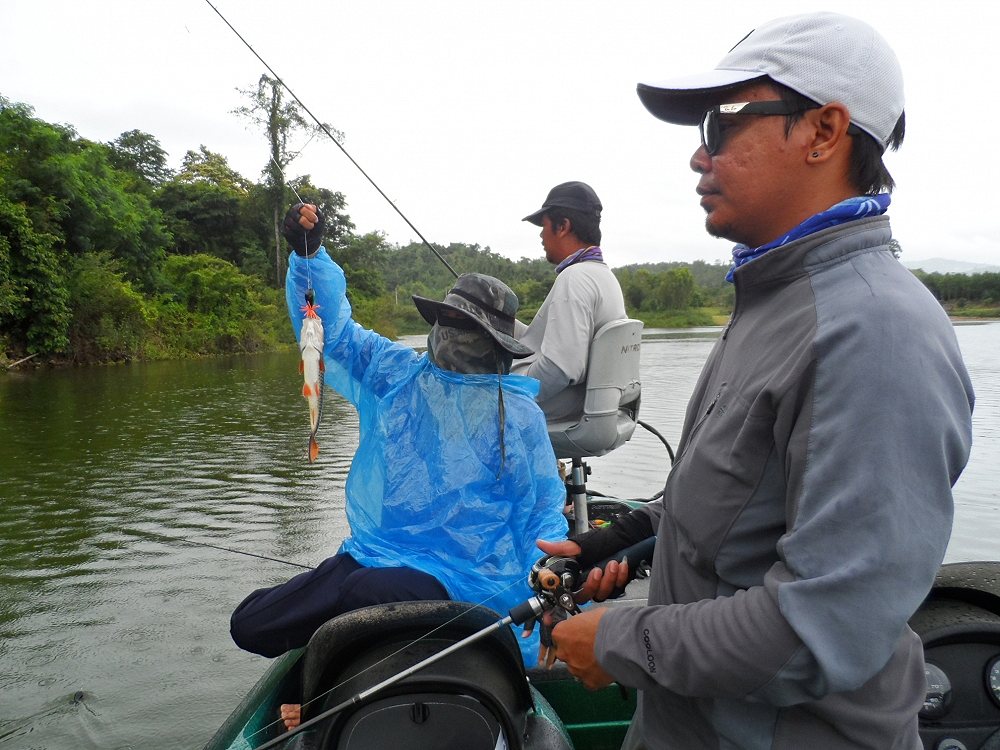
180	540
322	126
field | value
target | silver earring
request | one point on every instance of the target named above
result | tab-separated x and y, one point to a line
815	154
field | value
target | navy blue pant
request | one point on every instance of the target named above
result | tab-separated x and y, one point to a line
274	620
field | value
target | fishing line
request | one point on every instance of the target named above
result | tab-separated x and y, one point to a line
389	656
285	179
326	130
305	234
165	538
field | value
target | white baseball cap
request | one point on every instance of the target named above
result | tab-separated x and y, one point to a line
827	57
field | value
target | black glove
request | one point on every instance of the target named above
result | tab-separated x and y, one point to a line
303	241
630	538
599	544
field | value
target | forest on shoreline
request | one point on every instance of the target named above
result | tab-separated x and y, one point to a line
107	255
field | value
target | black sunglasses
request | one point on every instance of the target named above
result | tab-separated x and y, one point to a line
711	133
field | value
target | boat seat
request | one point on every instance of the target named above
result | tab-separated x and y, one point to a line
610	408
477	697
612	393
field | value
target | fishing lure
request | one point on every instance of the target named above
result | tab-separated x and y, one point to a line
312	368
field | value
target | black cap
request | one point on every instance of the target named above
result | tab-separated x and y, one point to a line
578	196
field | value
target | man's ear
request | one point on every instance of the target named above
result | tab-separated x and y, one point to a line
565	227
829	135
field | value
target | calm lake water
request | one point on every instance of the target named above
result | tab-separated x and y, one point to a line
114	631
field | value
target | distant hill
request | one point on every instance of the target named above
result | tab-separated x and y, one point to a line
943	265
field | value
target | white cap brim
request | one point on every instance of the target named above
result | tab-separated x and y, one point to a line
683	100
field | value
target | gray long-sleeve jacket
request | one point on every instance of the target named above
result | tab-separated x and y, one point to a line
807	512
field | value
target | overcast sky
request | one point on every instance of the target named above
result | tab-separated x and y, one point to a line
466	112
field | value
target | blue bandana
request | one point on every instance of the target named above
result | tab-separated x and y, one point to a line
588	253
840	213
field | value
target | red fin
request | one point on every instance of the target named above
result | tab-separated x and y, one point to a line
306	390
302	367
322	365
313	449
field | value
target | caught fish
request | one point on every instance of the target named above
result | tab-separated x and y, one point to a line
312	368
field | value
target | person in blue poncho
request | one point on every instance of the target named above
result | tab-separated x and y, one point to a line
454	477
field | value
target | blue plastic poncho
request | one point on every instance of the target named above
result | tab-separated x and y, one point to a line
423	490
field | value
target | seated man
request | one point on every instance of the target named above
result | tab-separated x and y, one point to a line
585	296
454	477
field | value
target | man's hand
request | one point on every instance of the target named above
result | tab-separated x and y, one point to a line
303	228
574	643
573	640
600	584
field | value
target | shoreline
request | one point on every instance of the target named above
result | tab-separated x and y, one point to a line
24	363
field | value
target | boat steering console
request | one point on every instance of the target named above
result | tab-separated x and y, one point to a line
959	625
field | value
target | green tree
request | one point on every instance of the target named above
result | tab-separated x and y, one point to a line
637	287
531	293
140	154
363	258
280	120
76	195
209	207
210	307
34	300
12	292
675	288
208	166
204	217
105	215
108	314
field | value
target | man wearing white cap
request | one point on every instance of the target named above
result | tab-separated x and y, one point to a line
810	504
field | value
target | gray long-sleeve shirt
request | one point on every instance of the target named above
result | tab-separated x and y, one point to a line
807	512
584	297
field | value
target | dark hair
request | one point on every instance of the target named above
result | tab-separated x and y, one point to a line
867	171
586	226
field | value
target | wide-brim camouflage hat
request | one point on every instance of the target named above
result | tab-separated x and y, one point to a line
483	300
